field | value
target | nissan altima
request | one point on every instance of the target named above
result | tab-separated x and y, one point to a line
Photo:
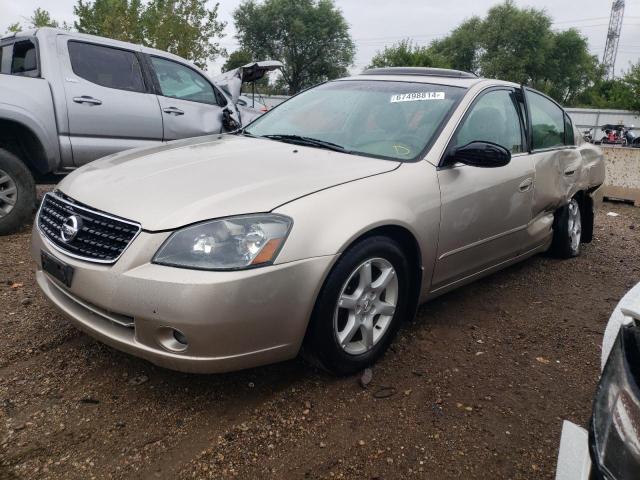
319	227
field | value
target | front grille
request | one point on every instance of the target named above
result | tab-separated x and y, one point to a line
100	237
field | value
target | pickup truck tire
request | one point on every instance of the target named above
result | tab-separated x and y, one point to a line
17	193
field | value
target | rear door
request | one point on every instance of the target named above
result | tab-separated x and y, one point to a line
191	106
556	159
485	211
111	107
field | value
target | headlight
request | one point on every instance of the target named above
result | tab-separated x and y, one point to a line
226	244
615	425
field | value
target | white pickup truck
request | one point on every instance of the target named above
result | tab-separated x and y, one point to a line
67	99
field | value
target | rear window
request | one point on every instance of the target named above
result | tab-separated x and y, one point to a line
24	61
107	66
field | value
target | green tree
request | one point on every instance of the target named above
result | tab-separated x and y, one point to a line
188	28
406	54
40	18
461	48
518	44
622	93
117	19
237	59
515	43
14	27
310	37
570	68
632	81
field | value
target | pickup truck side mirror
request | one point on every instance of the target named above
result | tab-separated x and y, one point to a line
480	154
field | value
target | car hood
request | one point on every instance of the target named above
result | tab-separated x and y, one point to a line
201	178
231	82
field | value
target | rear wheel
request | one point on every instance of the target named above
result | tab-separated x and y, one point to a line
567	230
360	308
17	193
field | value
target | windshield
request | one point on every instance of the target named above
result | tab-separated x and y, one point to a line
395	120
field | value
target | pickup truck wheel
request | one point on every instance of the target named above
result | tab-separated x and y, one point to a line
360	308
17	193
567	231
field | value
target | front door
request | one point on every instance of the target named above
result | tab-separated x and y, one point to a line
110	107
189	102
485	211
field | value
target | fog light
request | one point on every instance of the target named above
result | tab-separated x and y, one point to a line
172	339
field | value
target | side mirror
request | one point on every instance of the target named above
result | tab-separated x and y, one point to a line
481	154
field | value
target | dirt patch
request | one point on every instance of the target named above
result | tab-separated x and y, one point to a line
476	387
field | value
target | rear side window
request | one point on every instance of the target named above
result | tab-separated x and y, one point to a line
24	61
179	81
547	121
106	66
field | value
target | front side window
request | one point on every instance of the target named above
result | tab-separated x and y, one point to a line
493	118
25	61
388	119
547	122
179	81
106	66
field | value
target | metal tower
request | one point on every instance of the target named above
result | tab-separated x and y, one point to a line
613	35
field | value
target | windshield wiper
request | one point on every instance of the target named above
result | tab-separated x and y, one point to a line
308	141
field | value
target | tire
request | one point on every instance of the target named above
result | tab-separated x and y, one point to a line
567	231
17	193
350	307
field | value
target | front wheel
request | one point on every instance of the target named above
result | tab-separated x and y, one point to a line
360	307
567	230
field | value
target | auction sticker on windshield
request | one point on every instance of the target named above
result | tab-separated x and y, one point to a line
417	96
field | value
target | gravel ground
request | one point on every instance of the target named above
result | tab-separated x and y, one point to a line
476	387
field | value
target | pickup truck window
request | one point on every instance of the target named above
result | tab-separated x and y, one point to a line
107	66
179	81
24	61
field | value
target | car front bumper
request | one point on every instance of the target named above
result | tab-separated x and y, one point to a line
231	320
574	462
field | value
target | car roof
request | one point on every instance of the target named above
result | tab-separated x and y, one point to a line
438	76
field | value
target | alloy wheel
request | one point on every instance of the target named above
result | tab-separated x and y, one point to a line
575	225
366	306
8	193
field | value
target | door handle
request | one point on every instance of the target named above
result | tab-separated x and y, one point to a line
525	186
87	99
173	111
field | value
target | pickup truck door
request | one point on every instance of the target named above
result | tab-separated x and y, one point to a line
485	211
190	104
110	104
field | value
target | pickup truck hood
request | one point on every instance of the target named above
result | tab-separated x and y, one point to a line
197	179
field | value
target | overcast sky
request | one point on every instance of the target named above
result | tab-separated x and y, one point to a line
376	23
